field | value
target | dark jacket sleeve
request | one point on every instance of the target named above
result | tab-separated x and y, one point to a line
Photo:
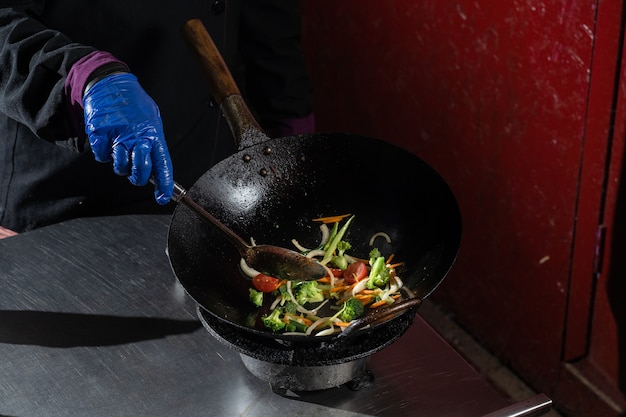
34	63
276	80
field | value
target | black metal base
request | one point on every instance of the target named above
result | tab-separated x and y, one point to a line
306	366
305	378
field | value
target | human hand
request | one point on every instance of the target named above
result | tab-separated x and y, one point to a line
6	232
124	125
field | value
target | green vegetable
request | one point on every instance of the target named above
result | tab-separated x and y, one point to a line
374	253
256	297
290	307
331	236
308	292
273	321
340	260
333	241
379	274
351	309
294	326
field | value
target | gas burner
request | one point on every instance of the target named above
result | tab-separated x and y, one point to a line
308	365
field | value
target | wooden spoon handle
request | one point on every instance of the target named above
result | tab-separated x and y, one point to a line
212	65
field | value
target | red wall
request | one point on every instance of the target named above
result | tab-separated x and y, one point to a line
495	96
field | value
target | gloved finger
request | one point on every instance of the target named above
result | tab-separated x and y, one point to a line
100	146
163	173
121	160
141	164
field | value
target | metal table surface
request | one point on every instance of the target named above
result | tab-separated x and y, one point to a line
94	323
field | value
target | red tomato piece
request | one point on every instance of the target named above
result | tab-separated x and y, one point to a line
265	283
337	273
356	271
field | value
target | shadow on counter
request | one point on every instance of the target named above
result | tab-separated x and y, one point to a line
64	330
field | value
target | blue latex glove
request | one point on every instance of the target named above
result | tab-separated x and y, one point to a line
124	125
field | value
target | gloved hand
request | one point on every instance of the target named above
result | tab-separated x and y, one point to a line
124	125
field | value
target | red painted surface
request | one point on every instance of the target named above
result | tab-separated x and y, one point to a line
597	140
502	99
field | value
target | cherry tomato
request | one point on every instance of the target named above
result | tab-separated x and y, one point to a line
356	271
337	273
265	283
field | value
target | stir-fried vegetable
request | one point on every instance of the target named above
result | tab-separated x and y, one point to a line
274	321
256	297
379	273
308	292
352	310
335	238
352	284
265	283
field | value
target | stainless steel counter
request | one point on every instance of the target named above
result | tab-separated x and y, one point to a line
94	323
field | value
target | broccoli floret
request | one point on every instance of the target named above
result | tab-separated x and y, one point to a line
308	292
340	260
273	321
343	246
379	274
375	253
290	307
351	310
256	297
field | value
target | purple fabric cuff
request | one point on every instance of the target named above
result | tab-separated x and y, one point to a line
291	127
80	72
75	86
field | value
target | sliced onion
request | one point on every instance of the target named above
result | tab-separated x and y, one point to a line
330	275
299	246
316	309
327	332
276	302
399	281
315	324
315	252
248	270
350	259
360	286
325	233
380	234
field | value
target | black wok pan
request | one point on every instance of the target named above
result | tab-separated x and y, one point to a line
272	188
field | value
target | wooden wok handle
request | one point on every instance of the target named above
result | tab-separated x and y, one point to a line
211	63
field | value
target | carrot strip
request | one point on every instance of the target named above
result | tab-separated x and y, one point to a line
396	265
338	288
365	300
299	319
331	219
324	280
378	304
341	323
390	258
307	321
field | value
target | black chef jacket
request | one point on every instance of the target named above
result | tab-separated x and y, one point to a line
47	172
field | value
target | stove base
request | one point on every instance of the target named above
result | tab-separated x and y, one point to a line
309	378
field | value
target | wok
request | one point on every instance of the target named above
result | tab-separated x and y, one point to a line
271	189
